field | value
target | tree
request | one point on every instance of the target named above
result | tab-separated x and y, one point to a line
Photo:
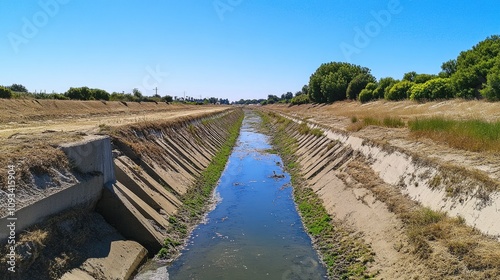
448	68
5	92
422	78
271	99
410	76
81	93
305	89
288	95
491	90
399	91
18	88
358	84
100	94
137	94
384	85
167	98
333	88
330	81
473	67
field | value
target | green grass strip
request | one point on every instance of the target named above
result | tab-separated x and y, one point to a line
345	255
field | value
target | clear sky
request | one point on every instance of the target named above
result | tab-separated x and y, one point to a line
228	48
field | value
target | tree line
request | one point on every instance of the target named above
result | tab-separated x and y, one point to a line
86	93
474	74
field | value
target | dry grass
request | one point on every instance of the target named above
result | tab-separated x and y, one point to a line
445	244
472	135
137	137
47	250
34	154
386	122
16	110
407	110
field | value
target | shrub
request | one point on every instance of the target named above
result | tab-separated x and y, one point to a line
399	91
300	99
384	85
492	87
5	92
358	84
100	94
439	88
365	95
81	93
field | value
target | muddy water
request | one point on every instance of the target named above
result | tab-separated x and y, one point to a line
254	231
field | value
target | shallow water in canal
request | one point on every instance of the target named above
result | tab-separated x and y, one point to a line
254	231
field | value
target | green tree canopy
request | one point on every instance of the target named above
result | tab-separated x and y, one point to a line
5	92
474	66
80	93
448	68
491	90
330	81
384	85
137	94
18	88
358	84
100	94
399	91
439	88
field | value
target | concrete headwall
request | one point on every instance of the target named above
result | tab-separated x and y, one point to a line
92	158
92	155
84	194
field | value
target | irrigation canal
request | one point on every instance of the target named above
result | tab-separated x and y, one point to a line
254	230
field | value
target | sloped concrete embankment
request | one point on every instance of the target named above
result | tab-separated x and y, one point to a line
354	178
155	166
135	180
460	192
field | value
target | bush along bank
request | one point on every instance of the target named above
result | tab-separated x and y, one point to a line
344	253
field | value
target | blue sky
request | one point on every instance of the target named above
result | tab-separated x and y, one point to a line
228	48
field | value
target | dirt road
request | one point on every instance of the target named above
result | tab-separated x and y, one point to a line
30	117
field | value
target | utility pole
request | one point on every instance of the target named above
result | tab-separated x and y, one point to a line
156	90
